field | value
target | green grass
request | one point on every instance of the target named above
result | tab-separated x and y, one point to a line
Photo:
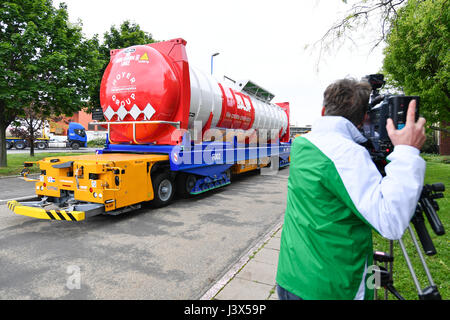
438	170
15	162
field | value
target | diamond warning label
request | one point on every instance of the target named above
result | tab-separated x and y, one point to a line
144	56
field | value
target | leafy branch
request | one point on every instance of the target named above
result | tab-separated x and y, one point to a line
357	18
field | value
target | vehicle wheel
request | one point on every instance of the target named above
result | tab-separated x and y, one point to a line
9	145
163	190
75	145
185	182
19	145
41	145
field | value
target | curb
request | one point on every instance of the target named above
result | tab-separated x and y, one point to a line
18	199
229	275
19	176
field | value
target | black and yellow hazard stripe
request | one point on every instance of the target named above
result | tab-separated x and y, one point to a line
11	205
40	213
60	215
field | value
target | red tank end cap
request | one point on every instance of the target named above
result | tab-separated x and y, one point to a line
286	108
139	84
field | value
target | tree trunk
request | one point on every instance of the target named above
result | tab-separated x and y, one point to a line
3	158
31	140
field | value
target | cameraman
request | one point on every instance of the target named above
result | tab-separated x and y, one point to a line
336	196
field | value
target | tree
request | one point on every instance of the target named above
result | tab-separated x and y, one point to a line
29	127
377	15
417	56
47	64
128	34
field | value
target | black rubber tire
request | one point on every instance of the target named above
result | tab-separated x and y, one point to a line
184	184
19	145
162	197
75	145
41	145
9	145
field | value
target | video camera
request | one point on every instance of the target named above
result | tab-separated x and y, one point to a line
379	145
382	107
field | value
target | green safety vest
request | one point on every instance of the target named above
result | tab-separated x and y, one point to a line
336	197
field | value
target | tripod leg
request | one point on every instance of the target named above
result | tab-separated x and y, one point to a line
410	267
394	291
422	260
386	289
391	252
391	267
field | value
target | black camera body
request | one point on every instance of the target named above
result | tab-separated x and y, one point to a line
382	107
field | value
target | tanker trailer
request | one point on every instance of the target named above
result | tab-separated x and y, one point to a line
171	129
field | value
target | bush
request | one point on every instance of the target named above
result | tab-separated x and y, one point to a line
430	145
97	143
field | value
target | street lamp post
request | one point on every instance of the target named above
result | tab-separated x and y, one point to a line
212	58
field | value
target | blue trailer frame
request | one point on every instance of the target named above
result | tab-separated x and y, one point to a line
209	159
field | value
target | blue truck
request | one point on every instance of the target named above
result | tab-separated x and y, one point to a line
76	138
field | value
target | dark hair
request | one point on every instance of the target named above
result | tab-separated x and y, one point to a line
347	98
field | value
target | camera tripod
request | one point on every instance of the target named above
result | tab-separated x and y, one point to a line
384	273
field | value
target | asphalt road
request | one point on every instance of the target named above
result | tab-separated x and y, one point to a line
16	188
176	252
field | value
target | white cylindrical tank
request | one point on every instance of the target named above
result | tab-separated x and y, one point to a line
229	107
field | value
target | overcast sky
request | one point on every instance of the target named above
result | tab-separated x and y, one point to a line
261	40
